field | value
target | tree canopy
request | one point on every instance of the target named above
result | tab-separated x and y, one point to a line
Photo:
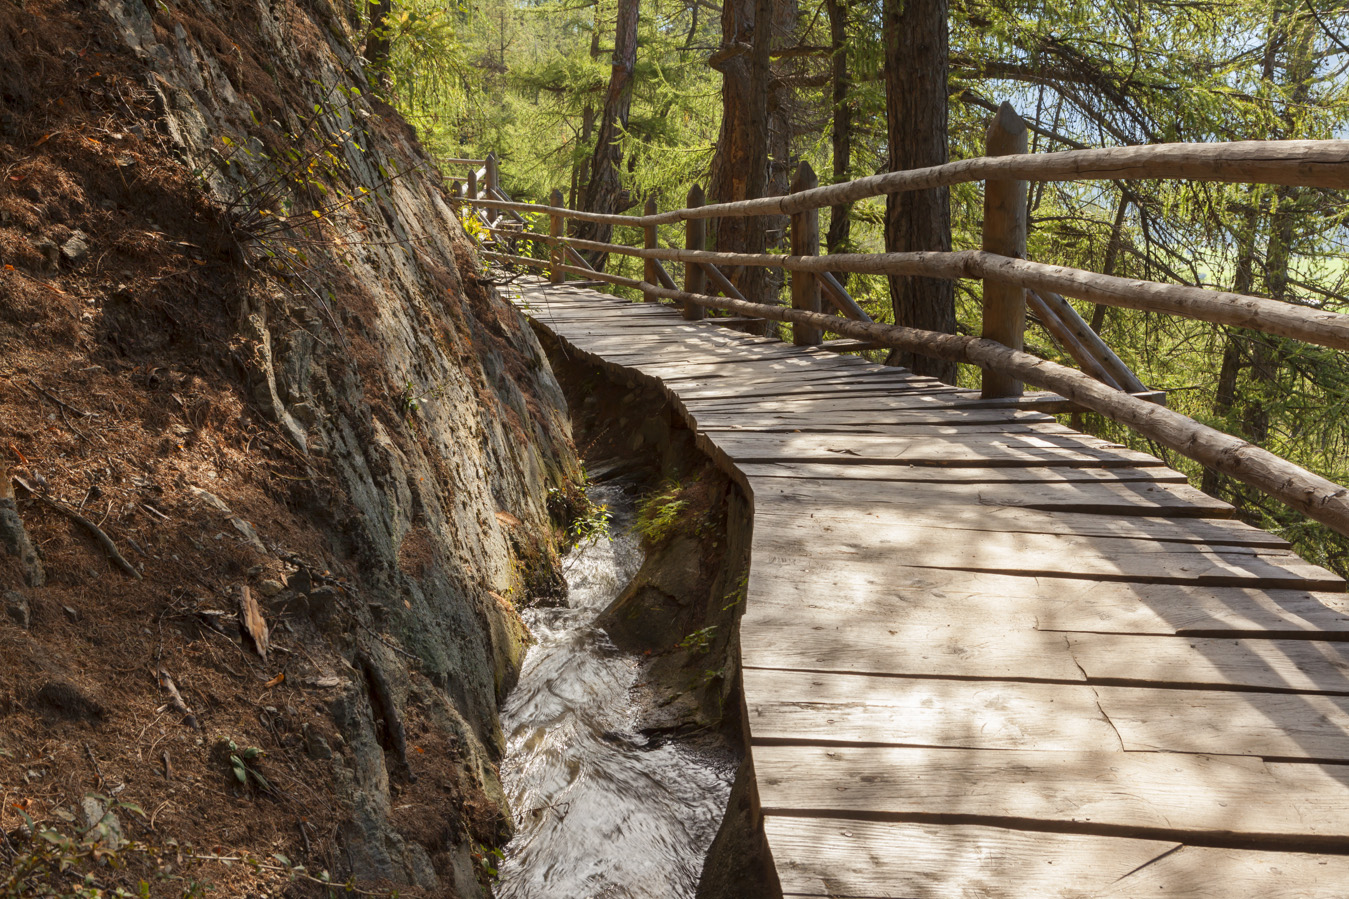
734	95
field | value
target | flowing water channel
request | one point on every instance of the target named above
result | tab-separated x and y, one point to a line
601	813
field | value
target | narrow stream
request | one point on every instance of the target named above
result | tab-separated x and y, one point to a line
600	813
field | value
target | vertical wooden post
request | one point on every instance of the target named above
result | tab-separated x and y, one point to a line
493	175
472	186
695	238
649	265
1005	234
555	231
805	242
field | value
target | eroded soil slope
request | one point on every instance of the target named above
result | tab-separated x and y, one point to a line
242	336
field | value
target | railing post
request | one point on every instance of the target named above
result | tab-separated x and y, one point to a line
695	238
473	187
649	265
493	175
805	242
556	223
1004	234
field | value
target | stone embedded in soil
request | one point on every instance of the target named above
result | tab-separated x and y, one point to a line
16	607
76	249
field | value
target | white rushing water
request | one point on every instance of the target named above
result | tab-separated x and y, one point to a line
600	814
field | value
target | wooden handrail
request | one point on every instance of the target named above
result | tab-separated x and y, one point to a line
1317	326
1309	493
1111	392
1290	163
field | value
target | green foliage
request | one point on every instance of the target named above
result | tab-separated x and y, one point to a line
660	512
523	79
244	765
582	519
698	642
48	861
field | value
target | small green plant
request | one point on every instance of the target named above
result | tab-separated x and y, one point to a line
47	861
737	594
244	771
583	519
698	642
659	512
489	858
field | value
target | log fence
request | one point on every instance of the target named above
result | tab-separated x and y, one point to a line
1105	385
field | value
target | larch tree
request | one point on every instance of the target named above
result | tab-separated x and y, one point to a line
916	64
604	189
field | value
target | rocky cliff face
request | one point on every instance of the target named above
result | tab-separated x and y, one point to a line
242	334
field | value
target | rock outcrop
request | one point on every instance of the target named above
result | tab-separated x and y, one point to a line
279	366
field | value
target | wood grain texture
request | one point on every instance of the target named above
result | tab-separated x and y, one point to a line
823	598
987	657
1049	555
1304	666
807	496
829	709
821	857
1269	725
1158	795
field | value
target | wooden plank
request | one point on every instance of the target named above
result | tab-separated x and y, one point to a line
841	598
1140	794
1134	524
990	451
1148	498
1297	665
899	429
838	385
1198	872
861	421
823	857
1103	558
840	709
958	648
1269	725
834	471
898	401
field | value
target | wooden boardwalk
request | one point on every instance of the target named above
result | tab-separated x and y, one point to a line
987	656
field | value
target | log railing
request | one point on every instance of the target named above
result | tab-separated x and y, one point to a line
1105	385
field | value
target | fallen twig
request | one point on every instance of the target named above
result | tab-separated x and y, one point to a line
176	703
104	540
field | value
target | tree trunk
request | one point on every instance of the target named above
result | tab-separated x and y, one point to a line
377	38
916	60
740	165
840	217
581	171
604	188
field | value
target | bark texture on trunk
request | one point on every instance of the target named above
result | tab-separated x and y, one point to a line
840	216
604	187
916	64
740	166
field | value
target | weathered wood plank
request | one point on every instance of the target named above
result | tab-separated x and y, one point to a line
1048	555
959	647
823	599
1097	497
840	709
1142	794
1303	665
1269	725
862	421
835	472
1196	872
1131	522
822	857
981	450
